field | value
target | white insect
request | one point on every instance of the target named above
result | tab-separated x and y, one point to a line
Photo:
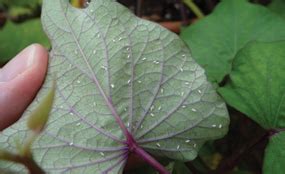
178	147
104	68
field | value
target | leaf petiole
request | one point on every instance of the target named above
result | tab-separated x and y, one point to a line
194	8
28	162
150	160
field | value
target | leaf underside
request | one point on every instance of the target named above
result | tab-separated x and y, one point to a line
216	39
117	71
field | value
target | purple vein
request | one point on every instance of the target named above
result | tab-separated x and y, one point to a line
133	78
152	100
67	110
131	88
72	63
98	149
162	119
122	160
106	50
131	96
106	98
167	136
102	131
68	168
169	149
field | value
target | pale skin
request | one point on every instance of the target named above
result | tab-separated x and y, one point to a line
20	80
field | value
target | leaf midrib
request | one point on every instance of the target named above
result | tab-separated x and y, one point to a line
95	80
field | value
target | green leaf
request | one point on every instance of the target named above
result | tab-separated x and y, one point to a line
120	77
275	155
180	168
278	6
39	117
257	88
15	37
19	11
257	83
216	39
25	3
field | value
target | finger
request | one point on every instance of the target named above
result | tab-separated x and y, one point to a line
20	80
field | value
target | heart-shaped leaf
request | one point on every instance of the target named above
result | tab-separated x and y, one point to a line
123	83
257	88
275	155
216	39
257	85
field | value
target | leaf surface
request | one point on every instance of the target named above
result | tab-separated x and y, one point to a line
216	39
257	88
15	37
257	83
40	115
278	6
118	74
275	155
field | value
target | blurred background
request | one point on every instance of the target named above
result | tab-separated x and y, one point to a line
20	23
20	26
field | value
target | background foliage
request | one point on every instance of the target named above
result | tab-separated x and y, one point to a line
224	43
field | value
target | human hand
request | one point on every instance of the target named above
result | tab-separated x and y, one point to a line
20	81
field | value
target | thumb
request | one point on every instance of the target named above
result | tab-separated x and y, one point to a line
20	81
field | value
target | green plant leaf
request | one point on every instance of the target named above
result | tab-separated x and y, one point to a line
180	168
25	3
39	117
120	77
257	83
15	37
275	155
19	11
257	88
278	6
216	39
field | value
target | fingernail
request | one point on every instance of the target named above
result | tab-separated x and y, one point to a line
19	64
31	57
